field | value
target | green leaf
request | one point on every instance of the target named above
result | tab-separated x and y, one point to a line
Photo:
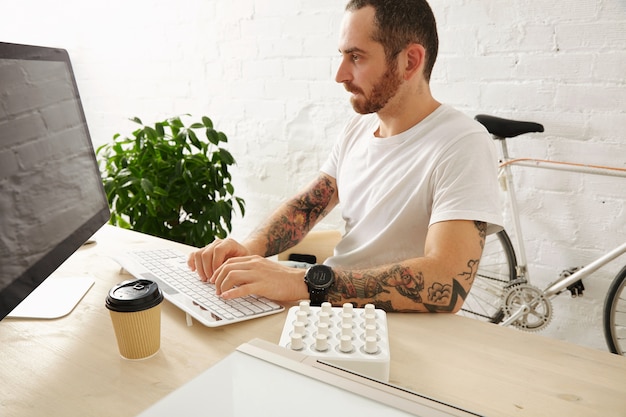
178	170
226	157
151	133
176	122
181	139
159	191
121	222
212	136
194	139
146	186
242	205
159	127
207	122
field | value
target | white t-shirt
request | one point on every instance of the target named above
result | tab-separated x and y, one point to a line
392	189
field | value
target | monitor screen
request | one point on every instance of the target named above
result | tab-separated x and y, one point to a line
51	194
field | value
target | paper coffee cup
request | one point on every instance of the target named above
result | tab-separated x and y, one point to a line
135	309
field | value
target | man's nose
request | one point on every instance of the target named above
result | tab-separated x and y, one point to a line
342	75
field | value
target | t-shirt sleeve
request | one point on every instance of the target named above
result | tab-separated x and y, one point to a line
329	167
468	190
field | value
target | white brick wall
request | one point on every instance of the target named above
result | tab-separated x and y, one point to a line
264	71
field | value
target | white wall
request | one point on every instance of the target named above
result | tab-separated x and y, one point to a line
263	70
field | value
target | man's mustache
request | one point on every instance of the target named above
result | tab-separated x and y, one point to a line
352	88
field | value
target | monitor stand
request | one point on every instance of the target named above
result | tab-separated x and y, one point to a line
56	297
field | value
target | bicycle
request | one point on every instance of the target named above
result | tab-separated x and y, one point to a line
502	292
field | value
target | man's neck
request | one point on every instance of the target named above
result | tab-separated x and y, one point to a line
402	113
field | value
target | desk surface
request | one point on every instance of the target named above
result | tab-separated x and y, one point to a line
71	367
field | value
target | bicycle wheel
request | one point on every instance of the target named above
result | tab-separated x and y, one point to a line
615	314
497	268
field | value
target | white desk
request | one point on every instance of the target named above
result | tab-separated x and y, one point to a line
71	367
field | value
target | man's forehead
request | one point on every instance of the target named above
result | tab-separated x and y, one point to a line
356	30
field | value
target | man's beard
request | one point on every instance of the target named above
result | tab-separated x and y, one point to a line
386	87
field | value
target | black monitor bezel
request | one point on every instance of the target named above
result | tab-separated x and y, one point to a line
22	286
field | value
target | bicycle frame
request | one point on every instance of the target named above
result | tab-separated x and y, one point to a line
506	176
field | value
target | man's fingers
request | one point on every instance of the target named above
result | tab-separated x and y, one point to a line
230	274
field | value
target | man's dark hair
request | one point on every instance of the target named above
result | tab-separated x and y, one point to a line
400	23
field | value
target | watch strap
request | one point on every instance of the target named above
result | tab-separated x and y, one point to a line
317	297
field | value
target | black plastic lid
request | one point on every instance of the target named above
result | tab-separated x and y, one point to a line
134	295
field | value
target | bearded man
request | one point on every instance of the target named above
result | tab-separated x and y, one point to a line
415	180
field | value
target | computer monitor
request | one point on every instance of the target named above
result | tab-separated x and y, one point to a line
51	194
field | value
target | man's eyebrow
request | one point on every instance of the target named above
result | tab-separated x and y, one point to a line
351	51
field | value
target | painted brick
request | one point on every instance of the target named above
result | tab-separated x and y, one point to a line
609	67
590	36
600	98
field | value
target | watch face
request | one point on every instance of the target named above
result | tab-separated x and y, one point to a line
319	276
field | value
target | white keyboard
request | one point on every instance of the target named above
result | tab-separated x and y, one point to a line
183	288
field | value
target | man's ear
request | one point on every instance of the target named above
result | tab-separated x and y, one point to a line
415	57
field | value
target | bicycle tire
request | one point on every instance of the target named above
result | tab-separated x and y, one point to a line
497	268
615	314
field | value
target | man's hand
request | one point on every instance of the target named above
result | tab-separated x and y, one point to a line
208	259
242	276
237	273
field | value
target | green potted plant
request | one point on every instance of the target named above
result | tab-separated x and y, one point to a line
170	181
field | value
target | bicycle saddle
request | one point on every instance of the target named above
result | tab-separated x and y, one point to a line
506	128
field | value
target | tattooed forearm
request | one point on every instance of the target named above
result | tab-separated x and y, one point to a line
379	286
399	288
294	219
281	235
438	282
405	282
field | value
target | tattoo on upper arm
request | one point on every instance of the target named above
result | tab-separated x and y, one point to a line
482	232
304	212
468	276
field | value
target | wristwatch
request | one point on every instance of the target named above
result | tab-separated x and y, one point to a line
319	279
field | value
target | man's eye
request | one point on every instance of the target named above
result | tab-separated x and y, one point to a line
355	58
